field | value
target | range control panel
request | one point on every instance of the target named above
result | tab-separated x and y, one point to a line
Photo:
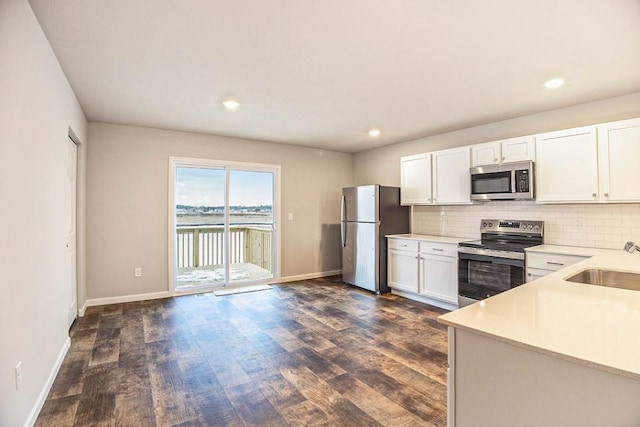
512	226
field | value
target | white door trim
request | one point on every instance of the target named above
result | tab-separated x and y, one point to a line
72	246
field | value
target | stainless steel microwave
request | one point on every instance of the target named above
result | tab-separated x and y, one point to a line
508	181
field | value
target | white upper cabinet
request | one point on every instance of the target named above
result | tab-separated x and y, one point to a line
591	164
440	177
567	166
415	179
504	151
518	149
619	160
485	154
451	177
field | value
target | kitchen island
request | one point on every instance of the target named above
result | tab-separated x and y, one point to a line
549	352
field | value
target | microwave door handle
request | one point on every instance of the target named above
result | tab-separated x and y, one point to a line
513	182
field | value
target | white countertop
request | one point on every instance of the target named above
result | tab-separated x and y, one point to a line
570	250
429	238
592	325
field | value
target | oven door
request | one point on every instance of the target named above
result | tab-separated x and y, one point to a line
482	276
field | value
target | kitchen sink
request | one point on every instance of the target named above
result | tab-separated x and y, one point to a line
610	278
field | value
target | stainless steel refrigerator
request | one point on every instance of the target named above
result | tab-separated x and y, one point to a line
369	213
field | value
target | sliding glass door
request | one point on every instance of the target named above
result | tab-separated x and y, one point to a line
223	227
200	211
251	225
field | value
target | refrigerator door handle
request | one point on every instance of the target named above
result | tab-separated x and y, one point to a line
343	218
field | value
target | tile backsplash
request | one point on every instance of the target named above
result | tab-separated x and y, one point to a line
598	225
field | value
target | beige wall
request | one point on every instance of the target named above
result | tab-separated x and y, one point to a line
382	165
127	212
37	106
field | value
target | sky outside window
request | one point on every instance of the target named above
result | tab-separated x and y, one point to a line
205	187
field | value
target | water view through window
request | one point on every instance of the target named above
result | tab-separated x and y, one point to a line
206	254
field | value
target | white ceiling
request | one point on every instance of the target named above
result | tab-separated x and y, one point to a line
321	73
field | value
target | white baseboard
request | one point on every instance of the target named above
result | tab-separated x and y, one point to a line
307	276
426	300
42	397
165	294
121	299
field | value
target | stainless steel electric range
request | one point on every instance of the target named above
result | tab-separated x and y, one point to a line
496	262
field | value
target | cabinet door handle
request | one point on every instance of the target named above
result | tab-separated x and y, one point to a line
495	160
595	194
529	274
606	195
555	263
436	249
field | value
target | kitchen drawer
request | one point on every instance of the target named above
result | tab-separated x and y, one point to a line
433	248
553	262
536	273
403	244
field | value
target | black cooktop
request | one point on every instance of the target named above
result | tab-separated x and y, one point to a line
499	245
507	235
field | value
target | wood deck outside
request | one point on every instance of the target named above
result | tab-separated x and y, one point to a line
213	275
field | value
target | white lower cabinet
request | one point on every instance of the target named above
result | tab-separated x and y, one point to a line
403	270
427	272
539	264
437	273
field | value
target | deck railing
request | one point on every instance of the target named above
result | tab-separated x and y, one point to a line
200	246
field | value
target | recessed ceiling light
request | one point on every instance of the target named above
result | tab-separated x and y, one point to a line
374	132
554	83
231	104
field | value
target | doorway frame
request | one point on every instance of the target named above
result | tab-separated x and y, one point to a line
175	162
78	202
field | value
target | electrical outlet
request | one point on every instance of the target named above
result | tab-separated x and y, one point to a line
290	216
138	272
18	375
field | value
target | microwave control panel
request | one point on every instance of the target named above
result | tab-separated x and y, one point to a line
522	181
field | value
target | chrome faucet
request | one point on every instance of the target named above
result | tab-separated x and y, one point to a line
631	247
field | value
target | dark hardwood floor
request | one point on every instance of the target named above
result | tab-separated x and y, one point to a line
315	352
